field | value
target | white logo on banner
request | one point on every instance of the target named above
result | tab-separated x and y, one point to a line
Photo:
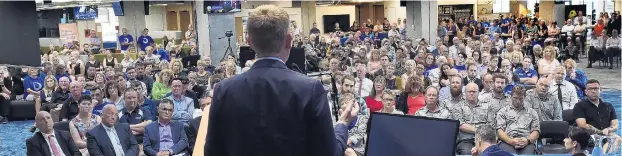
37	86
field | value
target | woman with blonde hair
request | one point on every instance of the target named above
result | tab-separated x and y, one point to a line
230	69
127	61
162	86
410	66
50	84
548	63
203	75
177	68
374	63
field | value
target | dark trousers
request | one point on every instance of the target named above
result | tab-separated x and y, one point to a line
464	146
527	150
4	106
594	54
611	53
581	42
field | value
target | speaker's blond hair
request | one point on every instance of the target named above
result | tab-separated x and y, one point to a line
267	27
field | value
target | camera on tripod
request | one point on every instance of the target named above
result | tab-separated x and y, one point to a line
229	33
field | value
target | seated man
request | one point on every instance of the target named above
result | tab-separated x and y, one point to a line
111	137
48	141
486	142
544	103
138	118
564	91
576	77
184	106
595	115
165	137
432	109
518	126
195	123
526	74
472	114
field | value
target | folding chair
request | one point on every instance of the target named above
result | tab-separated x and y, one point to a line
554	132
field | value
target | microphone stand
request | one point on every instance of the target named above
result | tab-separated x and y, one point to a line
334	97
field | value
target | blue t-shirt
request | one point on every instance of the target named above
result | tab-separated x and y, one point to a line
125	39
137	116
35	84
144	41
97	109
460	68
163	55
58	76
525	74
150	105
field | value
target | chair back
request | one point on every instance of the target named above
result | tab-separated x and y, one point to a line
568	116
554	129
63	125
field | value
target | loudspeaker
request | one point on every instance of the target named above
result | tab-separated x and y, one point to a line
296	60
146	3
246	53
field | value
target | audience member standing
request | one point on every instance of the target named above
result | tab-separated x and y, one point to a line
145	40
126	40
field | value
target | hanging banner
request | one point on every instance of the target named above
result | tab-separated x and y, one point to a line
68	32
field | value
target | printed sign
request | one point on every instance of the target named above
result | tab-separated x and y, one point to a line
68	31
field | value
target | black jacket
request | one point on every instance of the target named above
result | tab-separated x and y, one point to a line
37	146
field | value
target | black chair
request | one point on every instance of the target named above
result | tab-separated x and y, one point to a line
568	116
554	132
63	125
22	110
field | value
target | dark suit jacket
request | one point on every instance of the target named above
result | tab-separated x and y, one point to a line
477	81
36	145
98	142
151	138
271	110
193	131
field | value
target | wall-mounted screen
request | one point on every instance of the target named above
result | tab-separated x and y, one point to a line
222	6
118	8
85	12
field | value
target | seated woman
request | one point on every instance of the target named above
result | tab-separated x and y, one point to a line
83	122
577	141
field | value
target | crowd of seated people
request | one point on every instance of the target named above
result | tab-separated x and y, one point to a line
498	78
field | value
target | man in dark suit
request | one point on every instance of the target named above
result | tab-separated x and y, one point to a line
472	76
165	137
48	141
111	137
269	109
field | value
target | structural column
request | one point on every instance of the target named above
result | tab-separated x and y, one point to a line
422	19
133	18
307	9
211	30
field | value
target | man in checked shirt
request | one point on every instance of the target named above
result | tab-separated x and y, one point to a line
471	113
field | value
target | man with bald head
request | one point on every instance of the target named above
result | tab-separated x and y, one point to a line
49	141
471	113
69	110
543	102
111	137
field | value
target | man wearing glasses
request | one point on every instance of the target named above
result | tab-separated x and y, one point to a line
596	115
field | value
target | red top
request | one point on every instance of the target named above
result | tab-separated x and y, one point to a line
373	104
415	103
598	28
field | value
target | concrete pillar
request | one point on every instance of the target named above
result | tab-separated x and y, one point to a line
560	17
422	19
307	9
202	28
133	19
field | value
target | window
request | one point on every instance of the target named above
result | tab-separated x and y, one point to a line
501	6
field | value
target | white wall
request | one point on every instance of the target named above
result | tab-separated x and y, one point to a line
82	25
156	20
333	10
294	13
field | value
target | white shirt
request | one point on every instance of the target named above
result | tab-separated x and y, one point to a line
613	42
60	150
368	85
453	51
580	28
114	140
596	43
499	45
569	94
568	29
576	20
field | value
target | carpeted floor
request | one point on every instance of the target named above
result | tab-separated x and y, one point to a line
13	135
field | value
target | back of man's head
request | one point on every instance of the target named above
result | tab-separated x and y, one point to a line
486	133
268	28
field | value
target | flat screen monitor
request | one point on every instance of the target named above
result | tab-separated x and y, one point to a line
330	20
85	12
118	8
222	6
390	134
